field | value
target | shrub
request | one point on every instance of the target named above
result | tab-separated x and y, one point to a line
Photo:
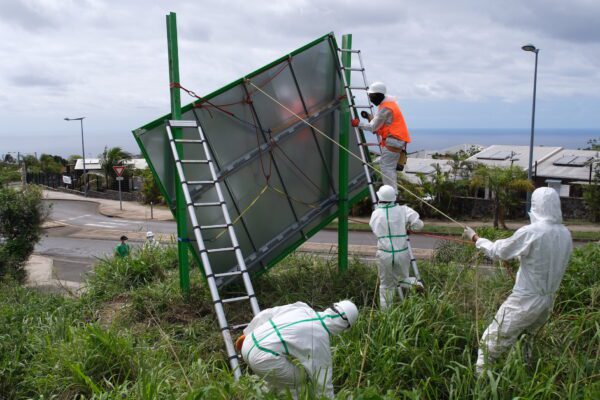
21	217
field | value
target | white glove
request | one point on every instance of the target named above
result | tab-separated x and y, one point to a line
469	233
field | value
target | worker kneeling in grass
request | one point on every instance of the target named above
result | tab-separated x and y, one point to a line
289	345
389	222
544	248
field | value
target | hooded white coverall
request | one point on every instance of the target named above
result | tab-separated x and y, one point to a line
289	345
388	223
544	248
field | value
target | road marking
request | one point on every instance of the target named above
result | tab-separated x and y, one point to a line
73	218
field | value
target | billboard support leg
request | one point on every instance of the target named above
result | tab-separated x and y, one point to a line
182	235
343	163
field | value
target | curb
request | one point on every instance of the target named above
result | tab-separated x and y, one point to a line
40	274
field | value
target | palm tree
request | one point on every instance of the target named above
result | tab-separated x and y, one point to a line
505	185
111	157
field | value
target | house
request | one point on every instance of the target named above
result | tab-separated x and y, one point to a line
94	164
508	155
567	171
424	166
551	166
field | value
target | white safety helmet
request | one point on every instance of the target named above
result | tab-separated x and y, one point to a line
377	87
386	193
149	234
347	310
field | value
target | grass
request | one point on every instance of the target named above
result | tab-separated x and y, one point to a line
133	335
457	231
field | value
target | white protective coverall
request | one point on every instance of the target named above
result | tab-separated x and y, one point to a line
544	248
289	345
388	223
389	159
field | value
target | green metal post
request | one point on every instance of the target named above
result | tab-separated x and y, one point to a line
180	213
343	163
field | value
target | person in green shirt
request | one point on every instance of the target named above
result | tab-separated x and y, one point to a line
123	249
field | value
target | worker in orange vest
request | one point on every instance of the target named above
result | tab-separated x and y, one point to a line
388	123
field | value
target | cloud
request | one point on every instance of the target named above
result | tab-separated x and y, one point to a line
107	59
39	80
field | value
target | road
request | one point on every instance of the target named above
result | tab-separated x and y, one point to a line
74	256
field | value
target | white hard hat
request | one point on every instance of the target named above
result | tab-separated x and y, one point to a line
377	87
348	309
149	234
386	193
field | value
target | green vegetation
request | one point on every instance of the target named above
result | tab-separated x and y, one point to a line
21	217
111	157
591	195
9	173
506	186
133	335
150	189
592	236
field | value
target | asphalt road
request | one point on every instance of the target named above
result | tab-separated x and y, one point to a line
74	257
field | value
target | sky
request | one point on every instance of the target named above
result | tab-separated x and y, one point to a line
454	66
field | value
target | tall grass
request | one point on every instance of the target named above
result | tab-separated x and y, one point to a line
158	345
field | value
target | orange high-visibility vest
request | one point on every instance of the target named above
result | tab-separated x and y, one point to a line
397	128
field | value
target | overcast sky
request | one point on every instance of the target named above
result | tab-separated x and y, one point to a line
452	64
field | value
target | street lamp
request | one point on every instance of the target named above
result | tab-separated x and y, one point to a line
80	119
533	49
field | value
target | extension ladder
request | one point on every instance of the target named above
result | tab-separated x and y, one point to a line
362	146
205	253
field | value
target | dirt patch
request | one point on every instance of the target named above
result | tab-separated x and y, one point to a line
112	310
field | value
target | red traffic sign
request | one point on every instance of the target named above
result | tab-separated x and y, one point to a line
119	169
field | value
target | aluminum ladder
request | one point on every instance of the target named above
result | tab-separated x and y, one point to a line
411	281
198	229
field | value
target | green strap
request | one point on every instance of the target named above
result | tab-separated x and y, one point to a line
387	218
394	251
391	236
280	337
256	342
263	348
322	322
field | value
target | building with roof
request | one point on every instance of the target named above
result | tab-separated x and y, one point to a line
94	164
567	171
552	166
423	166
507	155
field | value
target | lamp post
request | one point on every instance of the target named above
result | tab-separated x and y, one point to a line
80	119
532	48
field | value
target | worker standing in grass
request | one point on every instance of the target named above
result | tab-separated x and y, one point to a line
389	222
388	123
123	249
544	248
289	345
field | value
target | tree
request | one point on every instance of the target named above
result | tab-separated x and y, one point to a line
72	159
49	164
593	144
32	164
8	158
150	189
21	216
506	185
591	195
111	157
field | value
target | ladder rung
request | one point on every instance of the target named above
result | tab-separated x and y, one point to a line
209	204
220	250
360	106
358	87
189	141
353	69
194	161
220	226
235	299
237	327
224	274
200	182
349	50
183	123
